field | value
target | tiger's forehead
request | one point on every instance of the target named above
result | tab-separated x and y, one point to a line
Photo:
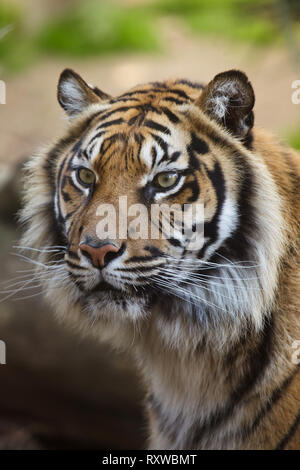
169	91
145	126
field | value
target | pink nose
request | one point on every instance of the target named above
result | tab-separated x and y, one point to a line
98	254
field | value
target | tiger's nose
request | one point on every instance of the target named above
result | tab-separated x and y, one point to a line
100	254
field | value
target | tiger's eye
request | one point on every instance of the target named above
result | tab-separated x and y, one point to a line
86	176
166	179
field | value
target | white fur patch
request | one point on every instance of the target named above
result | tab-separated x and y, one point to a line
220	100
72	96
227	224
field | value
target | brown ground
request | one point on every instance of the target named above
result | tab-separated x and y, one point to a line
57	390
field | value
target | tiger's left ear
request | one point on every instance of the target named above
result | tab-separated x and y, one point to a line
75	95
229	100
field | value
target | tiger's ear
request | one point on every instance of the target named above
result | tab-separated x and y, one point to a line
75	95
229	100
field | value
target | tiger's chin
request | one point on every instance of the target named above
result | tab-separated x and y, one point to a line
110	316
112	303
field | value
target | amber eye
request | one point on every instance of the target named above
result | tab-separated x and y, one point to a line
86	176
166	179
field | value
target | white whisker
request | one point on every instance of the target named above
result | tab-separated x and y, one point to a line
188	296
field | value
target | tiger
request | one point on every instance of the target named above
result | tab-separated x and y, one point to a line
212	322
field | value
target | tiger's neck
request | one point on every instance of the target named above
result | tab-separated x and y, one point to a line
202	398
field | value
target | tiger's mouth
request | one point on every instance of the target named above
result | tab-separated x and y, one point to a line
105	288
107	291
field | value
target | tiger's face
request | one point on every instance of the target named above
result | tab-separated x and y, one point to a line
151	190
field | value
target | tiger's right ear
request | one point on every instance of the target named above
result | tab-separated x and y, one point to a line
75	95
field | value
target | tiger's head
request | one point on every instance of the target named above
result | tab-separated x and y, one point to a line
181	148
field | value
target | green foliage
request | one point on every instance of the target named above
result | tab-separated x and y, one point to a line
242	20
294	139
220	23
89	27
15	52
94	27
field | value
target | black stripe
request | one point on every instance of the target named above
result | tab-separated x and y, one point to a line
173	100
172	117
140	268
59	175
285	440
174	157
89	120
73	255
144	92
154	251
163	145
165	426
211	228
100	93
194	187
117	135
196	146
277	394
237	246
111	139
72	265
94	138
139	138
143	108
70	165
77	146
255	366
60	219
158	127
69	215
181	93
105	161
114	111
195	85
66	196
174	241
133	120
153	156
124	99
212	134
110	143
84	154
111	123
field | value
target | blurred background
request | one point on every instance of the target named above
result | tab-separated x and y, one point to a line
59	391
